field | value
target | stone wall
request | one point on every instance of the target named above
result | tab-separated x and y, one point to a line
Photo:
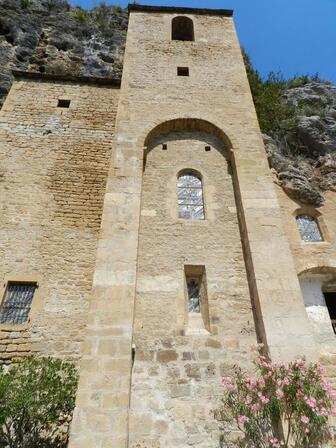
177	370
54	164
215	98
315	265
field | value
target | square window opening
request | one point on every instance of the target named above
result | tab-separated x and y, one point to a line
17	302
182	71
208	148
65	104
164	146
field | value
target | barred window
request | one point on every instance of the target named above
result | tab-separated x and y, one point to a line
193	295
17	302
190	197
308	228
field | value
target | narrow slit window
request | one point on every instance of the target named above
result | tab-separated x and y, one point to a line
193	295
17	302
190	196
309	229
197	298
65	104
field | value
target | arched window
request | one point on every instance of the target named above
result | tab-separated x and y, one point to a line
308	228
182	28
190	196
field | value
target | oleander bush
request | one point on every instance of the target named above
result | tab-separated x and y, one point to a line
37	398
283	405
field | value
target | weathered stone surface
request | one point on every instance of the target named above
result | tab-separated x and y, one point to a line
304	155
49	36
56	181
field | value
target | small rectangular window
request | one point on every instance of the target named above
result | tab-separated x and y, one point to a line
17	302
208	148
182	71
196	290
63	103
164	146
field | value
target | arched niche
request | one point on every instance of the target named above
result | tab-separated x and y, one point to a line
161	134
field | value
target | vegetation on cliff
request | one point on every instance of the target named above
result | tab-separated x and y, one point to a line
298	119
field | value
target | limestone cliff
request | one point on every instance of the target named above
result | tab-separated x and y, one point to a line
303	150
49	36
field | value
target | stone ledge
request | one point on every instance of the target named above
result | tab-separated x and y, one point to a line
67	78
173	9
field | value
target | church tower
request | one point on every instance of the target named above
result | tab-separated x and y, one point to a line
192	265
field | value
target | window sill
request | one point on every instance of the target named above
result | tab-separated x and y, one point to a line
15	327
202	222
314	243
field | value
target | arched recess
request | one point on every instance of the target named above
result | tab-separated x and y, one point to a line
318	286
185	125
159	135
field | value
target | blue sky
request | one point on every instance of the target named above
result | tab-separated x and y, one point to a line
294	36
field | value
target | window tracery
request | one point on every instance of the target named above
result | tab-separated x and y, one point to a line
190	197
308	228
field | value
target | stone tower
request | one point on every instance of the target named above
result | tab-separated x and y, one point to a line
151	365
145	221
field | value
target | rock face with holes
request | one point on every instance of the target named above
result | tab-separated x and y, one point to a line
304	155
48	36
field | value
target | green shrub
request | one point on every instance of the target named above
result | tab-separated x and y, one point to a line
80	14
25	3
274	113
271	109
37	398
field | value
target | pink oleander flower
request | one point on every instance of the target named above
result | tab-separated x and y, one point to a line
243	419
248	400
255	407
285	381
274	442
231	387
279	393
264	399
304	419
311	402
